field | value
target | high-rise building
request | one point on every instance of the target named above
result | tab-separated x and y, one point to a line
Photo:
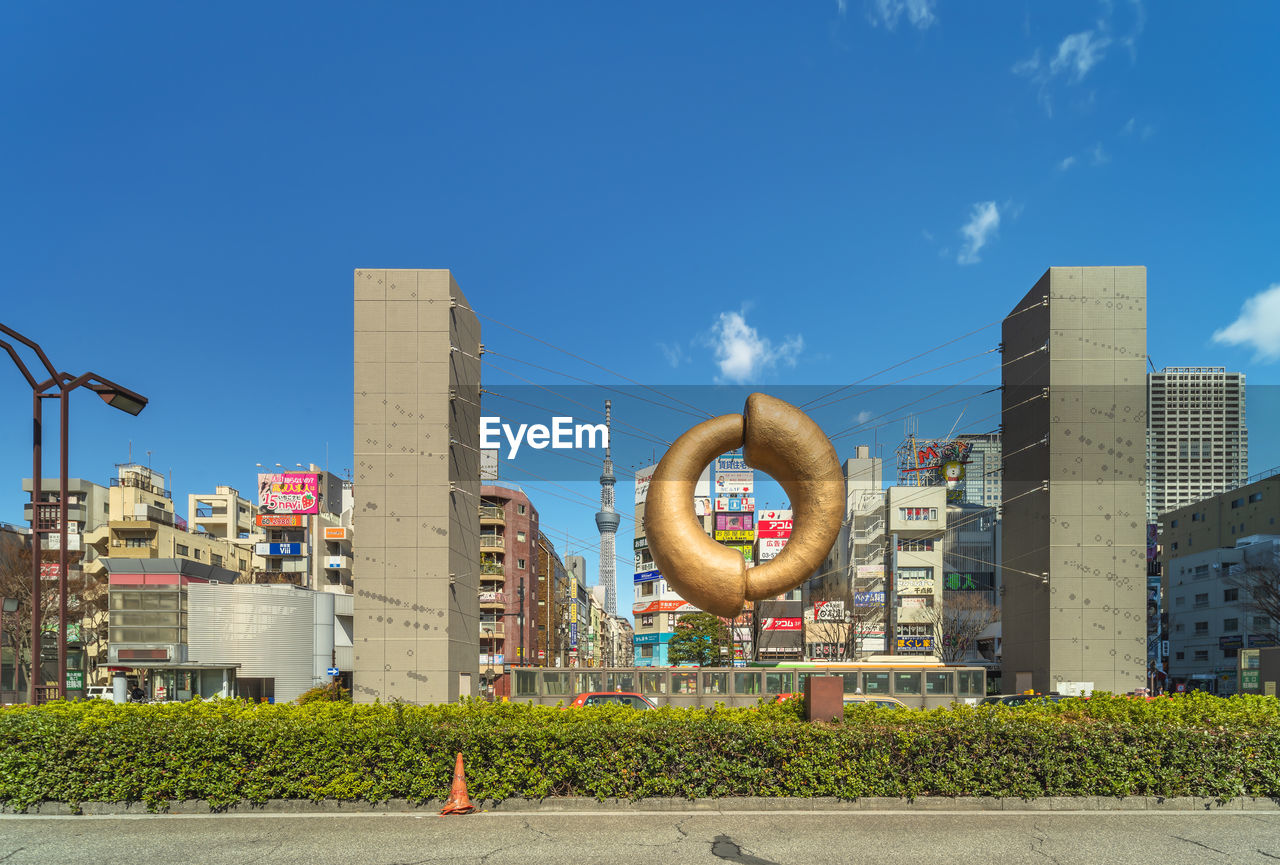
417	488
983	471
1074	486
553	605
916	517
607	521
302	537
1198	444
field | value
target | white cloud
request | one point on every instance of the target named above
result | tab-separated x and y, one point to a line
919	13
1066	163
1079	53
1029	66
841	7
1258	325
743	354
673	353
984	222
1127	129
1097	155
863	416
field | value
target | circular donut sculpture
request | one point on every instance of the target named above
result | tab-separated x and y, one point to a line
779	439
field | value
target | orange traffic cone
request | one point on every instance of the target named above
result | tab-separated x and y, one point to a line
459	802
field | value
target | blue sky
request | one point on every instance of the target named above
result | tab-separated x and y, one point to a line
687	194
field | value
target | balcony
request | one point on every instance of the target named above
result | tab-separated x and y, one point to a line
492	516
337	563
492	542
493	599
492	569
492	631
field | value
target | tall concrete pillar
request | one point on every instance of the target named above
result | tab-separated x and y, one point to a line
417	488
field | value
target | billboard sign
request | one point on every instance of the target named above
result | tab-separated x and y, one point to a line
289	493
735	504
279	521
335	533
868	599
980	581
679	605
735	483
914	586
278	549
770	547
915	642
647	576
735	535
732	463
640	543
1261	641
782	623
745	549
828	611
643	476
701	506
774	528
1236	642
870	572
734	521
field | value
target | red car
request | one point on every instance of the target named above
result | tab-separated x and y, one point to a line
613	698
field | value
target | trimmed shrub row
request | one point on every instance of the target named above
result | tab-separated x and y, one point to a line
228	751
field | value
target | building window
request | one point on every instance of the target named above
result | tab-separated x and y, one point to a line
1255	497
195	554
1202	599
215	559
1173	525
1179	656
1230	626
181	550
1261	623
1229	653
137	542
1179	628
520	536
646	651
520	509
520	564
1202	628
1230	596
1237	503
918	513
1202	654
646	621
1179	601
915	545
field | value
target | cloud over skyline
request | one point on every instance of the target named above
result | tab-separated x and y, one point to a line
743	354
1257	326
984	222
919	13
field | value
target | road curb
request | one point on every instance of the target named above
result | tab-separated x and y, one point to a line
661	805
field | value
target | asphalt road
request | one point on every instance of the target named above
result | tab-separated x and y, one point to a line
743	838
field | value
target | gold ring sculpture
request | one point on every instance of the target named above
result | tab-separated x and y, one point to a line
778	439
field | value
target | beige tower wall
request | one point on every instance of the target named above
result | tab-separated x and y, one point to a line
1086	622
417	435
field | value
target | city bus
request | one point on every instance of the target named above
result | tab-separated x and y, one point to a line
917	681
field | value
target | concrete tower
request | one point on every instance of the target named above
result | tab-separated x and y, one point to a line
607	522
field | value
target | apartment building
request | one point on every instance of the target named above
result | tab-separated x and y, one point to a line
1198	444
509	586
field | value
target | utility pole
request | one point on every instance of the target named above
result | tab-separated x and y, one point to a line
891	599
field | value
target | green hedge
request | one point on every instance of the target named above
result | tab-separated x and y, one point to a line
229	751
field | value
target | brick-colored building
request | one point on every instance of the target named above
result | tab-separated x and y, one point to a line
509	595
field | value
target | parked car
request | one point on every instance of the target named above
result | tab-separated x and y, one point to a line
98	692
1020	699
614	698
877	700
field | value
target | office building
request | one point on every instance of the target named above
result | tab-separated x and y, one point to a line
983	471
917	518
1210	615
850	585
417	488
1198	444
1074	487
553	606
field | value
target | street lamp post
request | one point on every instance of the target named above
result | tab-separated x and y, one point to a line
112	394
10	606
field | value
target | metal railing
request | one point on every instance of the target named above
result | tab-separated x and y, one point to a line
487	513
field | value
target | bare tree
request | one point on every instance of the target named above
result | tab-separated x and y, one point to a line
86	607
1259	585
958	622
